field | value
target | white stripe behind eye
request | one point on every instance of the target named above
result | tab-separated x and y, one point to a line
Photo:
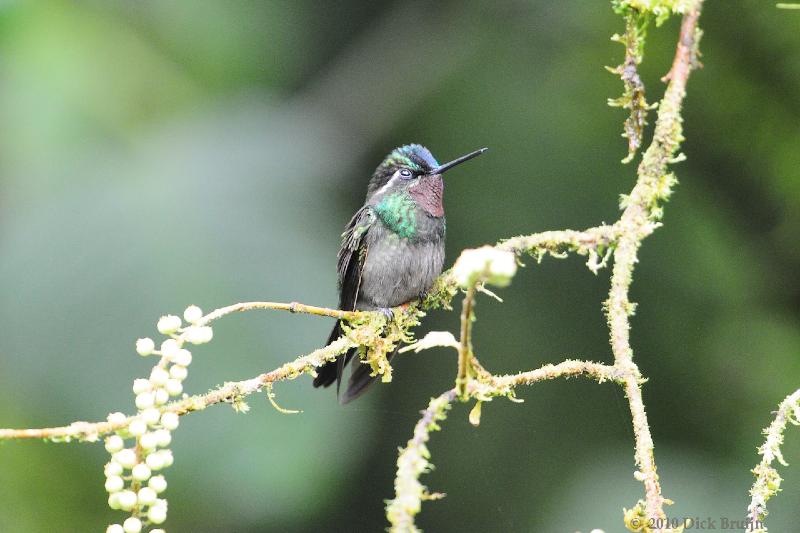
393	179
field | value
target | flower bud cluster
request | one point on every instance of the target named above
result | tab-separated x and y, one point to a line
133	481
486	264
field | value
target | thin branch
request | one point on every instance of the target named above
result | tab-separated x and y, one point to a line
565	369
633	97
558	242
292	307
231	392
412	462
465	355
768	481
414	459
637	221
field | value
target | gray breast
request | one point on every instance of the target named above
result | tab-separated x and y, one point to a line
397	270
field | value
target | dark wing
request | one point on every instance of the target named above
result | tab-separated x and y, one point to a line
352	255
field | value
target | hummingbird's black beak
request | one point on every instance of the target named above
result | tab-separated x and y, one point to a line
441	169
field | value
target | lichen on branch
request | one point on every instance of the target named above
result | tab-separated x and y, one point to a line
768	481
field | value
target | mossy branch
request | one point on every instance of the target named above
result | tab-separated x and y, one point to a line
414	458
768	481
91	431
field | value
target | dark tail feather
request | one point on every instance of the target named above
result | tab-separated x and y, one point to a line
360	380
332	371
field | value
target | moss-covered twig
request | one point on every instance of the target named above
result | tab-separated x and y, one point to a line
641	209
412	462
768	481
465	354
414	458
633	98
231	392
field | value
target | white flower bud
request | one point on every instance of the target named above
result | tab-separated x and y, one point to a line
168	324
113	469
114	484
174	387
155	461
158	376
116	418
115	528
113	500
488	264
431	339
145	347
192	314
198	334
132	525
151	416
141	385
167	458
114	443
183	357
126	458
157	514
146	496
502	268
145	400
158	530
178	372
158	484
126	499
148	442
163	437
137	427
161	396
170	420
169	348
140	472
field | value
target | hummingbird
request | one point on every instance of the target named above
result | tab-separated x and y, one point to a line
392	248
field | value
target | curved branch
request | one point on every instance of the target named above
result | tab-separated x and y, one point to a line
414	459
637	222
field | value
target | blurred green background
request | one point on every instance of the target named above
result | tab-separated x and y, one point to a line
155	154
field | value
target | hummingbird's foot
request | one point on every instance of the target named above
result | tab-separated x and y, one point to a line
387	312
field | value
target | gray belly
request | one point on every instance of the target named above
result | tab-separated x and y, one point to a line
398	270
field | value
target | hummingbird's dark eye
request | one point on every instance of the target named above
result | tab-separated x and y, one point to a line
405	173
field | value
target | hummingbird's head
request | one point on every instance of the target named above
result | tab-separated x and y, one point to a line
410	168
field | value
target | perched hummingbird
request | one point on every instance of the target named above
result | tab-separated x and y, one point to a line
392	249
